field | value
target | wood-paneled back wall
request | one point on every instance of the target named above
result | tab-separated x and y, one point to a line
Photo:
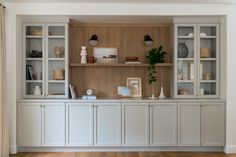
129	39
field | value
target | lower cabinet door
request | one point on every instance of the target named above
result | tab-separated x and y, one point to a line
189	124
135	124
29	125
53	124
79	127
163	124
107	124
213	124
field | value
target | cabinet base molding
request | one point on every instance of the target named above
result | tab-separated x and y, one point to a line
13	149
120	149
230	149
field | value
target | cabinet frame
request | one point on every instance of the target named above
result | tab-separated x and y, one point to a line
45	60
119	131
196	60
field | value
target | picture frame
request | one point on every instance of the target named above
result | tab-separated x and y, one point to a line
123	91
135	85
105	54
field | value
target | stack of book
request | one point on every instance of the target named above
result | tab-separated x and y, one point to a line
89	97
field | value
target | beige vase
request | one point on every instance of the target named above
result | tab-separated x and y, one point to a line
58	51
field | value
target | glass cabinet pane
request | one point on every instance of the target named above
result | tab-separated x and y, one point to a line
185	61
56	61
208	61
33	50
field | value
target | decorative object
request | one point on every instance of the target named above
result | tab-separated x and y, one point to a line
162	95
89	92
148	40
207	76
131	59
190	35
58	74
123	91
183	91
37	90
91	59
83	55
58	51
182	50
105	54
201	91
155	55
36	32
135	85
93	40
205	52
203	35
36	54
191	71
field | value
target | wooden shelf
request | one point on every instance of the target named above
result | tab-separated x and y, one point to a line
207	59
208	37
119	65
185	59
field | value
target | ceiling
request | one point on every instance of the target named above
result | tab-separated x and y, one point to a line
126	1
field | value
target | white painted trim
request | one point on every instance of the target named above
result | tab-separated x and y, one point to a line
13	149
230	149
121	149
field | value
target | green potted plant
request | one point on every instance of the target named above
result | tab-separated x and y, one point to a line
155	55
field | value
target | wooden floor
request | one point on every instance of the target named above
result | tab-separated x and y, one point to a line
124	154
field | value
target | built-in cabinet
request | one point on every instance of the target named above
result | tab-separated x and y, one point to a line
196	60
213	124
121	124
41	124
135	124
79	124
107	124
45	60
163	124
189	125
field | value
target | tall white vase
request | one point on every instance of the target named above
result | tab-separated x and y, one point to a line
83	55
162	95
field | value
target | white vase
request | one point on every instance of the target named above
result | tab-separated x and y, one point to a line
162	96
153	93
83	55
37	90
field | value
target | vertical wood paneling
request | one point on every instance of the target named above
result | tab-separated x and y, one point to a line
129	41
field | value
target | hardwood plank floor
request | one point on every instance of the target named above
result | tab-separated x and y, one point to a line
123	154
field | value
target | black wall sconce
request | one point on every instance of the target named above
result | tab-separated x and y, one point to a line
93	40
148	40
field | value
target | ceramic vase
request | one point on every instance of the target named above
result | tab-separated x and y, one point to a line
37	90
162	95
83	55
58	51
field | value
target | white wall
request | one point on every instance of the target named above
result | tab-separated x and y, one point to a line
14	9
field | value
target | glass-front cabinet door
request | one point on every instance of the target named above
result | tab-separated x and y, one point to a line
185	60
196	61
45	48
34	54
56	76
208	60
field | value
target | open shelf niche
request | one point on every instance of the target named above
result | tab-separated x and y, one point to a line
129	40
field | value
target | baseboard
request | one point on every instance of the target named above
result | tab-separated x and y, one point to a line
230	149
119	149
13	149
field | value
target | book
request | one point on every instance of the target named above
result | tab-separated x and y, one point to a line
72	91
89	97
135	62
30	71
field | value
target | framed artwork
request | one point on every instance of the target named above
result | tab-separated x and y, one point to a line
135	85
105	54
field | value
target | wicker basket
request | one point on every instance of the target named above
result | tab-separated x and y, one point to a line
58	74
205	52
